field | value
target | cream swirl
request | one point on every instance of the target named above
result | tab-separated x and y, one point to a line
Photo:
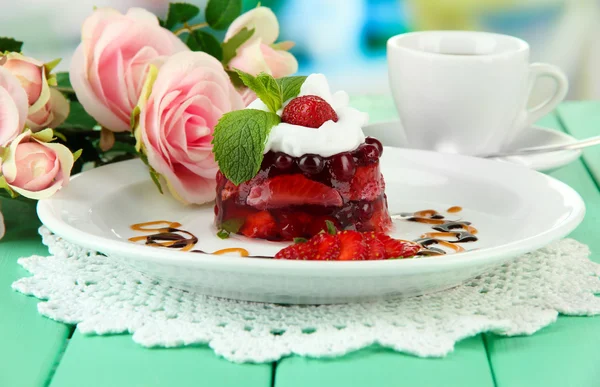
331	138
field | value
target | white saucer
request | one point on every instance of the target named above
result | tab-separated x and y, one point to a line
389	133
515	210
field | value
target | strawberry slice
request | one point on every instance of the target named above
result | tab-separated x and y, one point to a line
352	247
398	248
289	190
326	247
319	223
375	248
302	251
259	225
229	190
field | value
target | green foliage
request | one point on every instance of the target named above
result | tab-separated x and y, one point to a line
10	44
203	41
78	118
180	13
220	13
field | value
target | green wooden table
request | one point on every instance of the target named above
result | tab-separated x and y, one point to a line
36	351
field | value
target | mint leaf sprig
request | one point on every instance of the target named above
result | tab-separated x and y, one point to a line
240	136
273	92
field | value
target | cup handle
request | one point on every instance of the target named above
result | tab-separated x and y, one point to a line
537	70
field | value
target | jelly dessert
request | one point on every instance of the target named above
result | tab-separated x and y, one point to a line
316	166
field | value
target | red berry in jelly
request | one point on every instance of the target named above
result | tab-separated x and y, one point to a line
342	166
311	164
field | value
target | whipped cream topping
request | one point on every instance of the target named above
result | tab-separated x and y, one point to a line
331	138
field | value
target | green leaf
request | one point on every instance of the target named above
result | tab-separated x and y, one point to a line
63	81
300	240
290	86
232	225
235	79
76	154
220	13
78	118
331	227
239	142
223	234
60	136
230	46
265	87
203	41
10	44
180	13
156	179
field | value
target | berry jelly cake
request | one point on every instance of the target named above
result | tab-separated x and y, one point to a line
317	165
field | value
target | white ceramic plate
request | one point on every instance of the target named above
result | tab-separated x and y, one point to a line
516	210
390	133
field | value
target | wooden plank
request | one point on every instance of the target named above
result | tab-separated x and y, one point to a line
566	353
100	361
30	344
466	366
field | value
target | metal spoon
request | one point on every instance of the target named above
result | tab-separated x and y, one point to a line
550	148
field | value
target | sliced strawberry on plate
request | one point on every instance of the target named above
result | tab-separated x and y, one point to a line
301	251
352	247
289	190
326	247
397	248
259	225
375	248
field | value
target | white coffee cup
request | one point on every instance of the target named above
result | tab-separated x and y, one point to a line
466	92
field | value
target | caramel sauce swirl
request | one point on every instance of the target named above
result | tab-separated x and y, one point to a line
447	234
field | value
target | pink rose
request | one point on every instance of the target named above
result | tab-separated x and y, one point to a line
35	168
31	73
13	107
48	108
52	114
177	119
110	65
260	53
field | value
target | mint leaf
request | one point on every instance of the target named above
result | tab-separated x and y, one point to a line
180	13
230	46
10	44
265	87
232	225
239	142
235	79
290	86
223	234
205	42
220	13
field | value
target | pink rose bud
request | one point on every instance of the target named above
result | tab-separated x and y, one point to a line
35	168
260	53
30	72
13	107
110	65
177	120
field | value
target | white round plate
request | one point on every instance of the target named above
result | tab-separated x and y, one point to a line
390	134
516	210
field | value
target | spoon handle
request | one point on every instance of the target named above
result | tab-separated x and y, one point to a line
550	148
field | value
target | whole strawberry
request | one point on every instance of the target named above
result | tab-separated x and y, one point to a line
308	110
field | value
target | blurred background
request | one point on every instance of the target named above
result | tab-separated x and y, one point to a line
345	39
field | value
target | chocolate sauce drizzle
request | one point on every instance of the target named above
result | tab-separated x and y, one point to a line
449	234
170	237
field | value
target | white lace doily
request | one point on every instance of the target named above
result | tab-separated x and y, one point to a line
84	288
